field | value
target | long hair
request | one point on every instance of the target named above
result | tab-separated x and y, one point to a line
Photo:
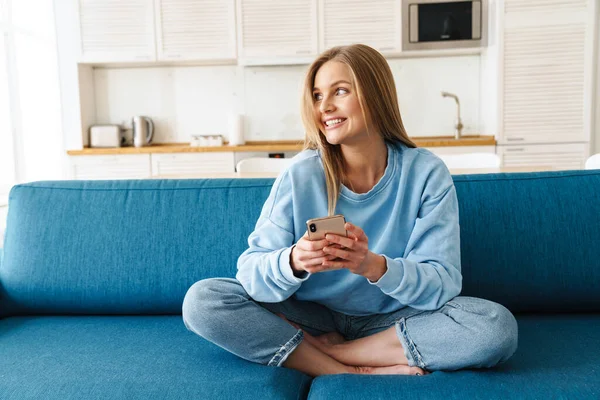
376	91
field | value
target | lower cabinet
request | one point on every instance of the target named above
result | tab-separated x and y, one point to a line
560	156
174	164
155	165
126	166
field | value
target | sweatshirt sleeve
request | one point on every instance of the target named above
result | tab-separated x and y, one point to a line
264	269
429	274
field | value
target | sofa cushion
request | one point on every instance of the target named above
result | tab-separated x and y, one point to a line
558	357
121	357
122	247
530	241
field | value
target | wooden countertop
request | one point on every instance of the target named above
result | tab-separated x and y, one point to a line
271	146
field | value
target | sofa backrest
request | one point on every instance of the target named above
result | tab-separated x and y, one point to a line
528	241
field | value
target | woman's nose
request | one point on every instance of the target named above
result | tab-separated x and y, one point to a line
326	105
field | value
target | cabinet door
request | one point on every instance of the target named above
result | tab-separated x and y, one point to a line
554	156
275	30
547	66
195	29
343	22
188	164
116	30
134	166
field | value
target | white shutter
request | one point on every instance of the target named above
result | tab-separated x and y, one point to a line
517	6
554	156
135	166
116	30
544	71
276	28
346	22
195	29
192	163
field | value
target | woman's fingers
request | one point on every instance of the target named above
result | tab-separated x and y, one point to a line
356	231
311	245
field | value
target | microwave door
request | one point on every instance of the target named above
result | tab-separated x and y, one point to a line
445	21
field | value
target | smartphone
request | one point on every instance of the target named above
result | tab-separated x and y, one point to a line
319	227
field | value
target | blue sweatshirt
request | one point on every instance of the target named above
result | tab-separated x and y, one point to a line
410	217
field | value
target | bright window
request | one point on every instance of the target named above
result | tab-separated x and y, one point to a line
31	143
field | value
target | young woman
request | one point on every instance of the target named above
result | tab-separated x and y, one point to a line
382	300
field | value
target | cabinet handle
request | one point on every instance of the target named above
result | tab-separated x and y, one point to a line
515	139
386	48
517	149
302	51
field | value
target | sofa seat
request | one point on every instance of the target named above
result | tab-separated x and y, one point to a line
558	358
144	357
128	357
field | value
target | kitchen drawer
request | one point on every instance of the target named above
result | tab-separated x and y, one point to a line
134	166
186	164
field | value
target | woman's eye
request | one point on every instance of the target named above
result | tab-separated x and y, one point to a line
317	96
341	91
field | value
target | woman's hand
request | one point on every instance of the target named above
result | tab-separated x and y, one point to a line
353	254
308	255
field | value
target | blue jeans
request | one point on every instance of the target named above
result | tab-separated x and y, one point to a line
466	332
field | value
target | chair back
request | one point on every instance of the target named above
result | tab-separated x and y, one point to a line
262	164
593	162
471	160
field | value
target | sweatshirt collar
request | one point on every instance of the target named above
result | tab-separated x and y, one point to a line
379	186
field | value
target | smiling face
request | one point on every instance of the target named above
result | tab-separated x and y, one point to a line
336	107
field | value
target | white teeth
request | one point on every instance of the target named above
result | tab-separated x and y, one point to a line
333	121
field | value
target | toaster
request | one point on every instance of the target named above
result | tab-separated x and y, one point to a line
107	136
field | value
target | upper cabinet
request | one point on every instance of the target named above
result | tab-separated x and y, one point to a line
547	49
343	22
195	29
281	31
116	30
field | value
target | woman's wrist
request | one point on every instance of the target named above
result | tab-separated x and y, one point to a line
297	271
377	267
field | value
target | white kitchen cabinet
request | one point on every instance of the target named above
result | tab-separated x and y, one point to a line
554	156
130	166
189	30
546	63
344	22
174	164
116	30
276	30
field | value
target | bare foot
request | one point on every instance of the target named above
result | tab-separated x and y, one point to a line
391	370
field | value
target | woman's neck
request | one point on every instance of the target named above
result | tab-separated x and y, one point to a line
365	165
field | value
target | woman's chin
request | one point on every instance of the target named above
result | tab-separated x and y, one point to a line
333	139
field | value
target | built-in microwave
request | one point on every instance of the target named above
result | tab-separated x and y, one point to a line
435	24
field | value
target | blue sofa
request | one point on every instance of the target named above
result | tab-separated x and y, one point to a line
93	275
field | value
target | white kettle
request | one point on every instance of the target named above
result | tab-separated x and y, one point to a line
143	130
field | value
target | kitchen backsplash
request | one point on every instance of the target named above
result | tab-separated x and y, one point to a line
197	100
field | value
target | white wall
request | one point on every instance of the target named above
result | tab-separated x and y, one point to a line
595	143
197	100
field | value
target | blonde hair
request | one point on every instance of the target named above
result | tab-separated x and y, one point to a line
376	91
